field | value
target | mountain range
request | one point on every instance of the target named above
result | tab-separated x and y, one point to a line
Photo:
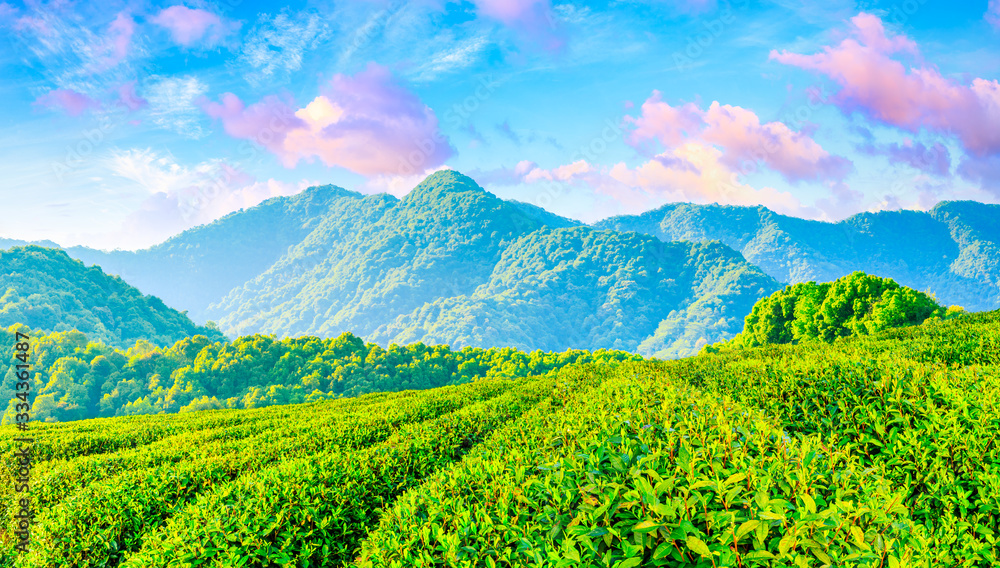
951	251
451	263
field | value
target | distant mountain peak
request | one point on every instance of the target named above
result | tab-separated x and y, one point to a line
327	191
444	182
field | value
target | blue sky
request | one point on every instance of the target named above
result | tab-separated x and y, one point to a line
124	123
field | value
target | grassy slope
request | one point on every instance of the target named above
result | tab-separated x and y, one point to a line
875	451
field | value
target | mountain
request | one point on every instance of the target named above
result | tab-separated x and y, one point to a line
453	264
951	251
578	287
381	258
45	289
199	266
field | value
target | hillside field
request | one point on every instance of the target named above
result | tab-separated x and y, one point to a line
867	451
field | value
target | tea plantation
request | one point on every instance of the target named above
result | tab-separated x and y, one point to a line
875	451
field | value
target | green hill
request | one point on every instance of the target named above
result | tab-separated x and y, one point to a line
872	451
951	251
453	264
47	290
857	304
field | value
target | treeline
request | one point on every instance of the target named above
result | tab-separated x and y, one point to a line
74	378
857	304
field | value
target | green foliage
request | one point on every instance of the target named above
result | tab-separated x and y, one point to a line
75	379
952	250
857	304
646	473
873	451
48	291
920	404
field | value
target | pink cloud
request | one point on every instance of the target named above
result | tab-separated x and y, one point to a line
7	12
668	124
740	134
993	14
880	87
794	154
67	100
695	172
266	123
118	39
533	18
188	26
984	170
368	124
128	98
690	172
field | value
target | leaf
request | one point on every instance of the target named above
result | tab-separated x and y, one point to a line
698	546
859	535
745	529
702	483
810	503
664	549
646	526
786	543
734	478
630	563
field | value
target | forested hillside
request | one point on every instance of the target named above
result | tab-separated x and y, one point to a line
74	378
453	264
580	287
872	451
952	251
47	290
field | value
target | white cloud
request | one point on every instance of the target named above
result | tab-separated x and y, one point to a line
172	105
89	57
179	197
274	48
450	60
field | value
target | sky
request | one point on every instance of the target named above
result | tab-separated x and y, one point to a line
125	122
